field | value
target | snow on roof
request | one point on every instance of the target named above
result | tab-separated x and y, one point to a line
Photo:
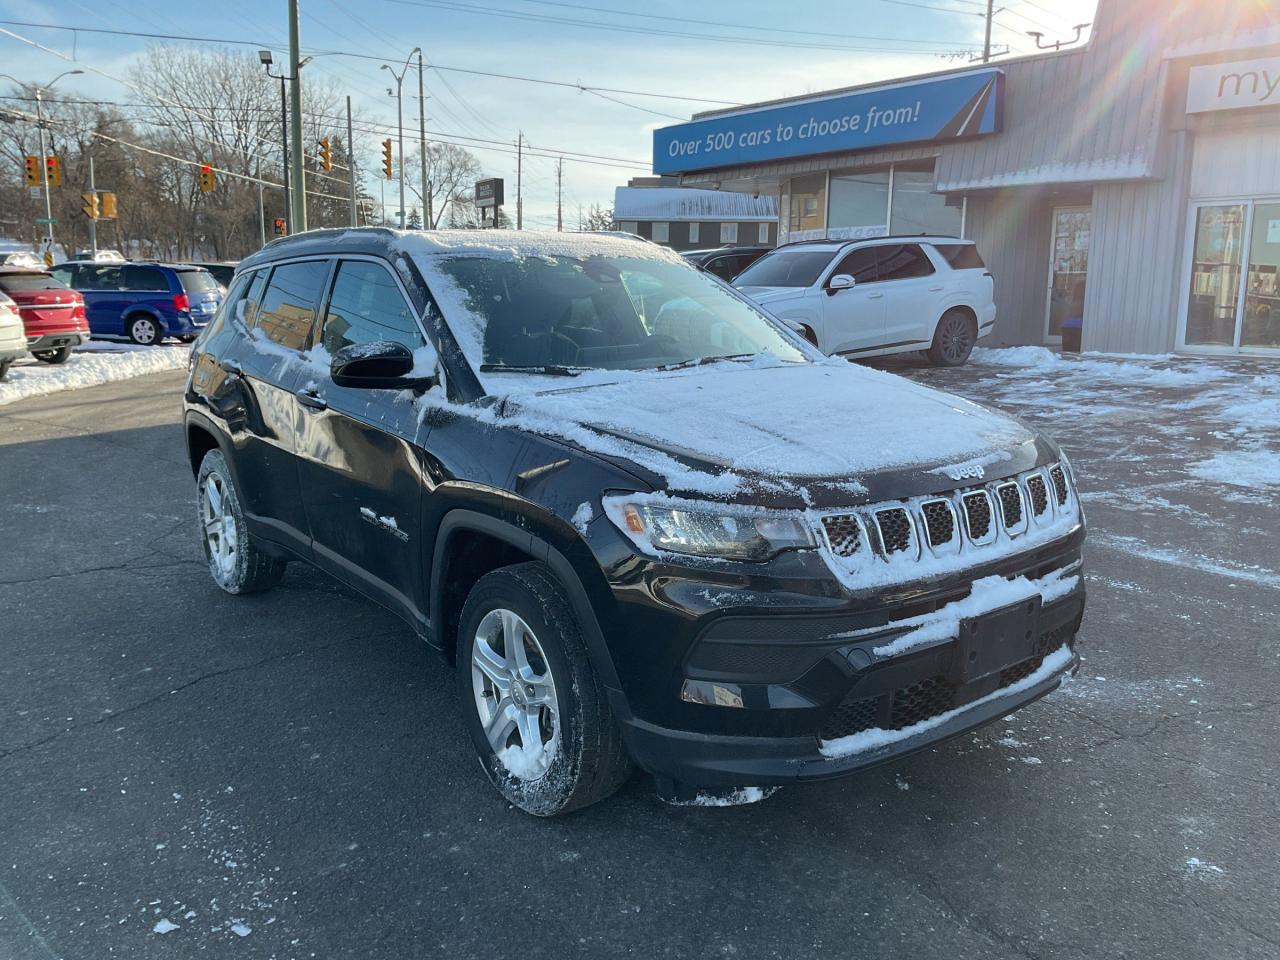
678	203
510	244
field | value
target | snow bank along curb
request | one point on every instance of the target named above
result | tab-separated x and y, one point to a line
89	368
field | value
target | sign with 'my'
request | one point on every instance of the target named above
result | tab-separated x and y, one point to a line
1234	86
917	111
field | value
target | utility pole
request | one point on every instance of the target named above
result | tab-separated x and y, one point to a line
986	43
422	144
560	195
295	101
519	174
579	218
351	164
93	224
262	216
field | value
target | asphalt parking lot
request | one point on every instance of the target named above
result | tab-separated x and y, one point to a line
187	774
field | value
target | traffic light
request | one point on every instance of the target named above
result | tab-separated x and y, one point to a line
208	179
89	205
53	167
386	158
108	205
326	157
279	225
33	171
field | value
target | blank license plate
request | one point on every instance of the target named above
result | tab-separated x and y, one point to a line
998	639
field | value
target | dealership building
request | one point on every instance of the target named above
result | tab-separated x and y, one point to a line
1131	184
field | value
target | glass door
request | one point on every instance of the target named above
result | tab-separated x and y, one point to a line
1260	319
1233	301
1216	259
1068	268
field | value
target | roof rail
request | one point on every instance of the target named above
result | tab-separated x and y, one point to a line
886	236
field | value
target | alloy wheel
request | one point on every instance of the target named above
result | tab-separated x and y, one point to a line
221	538
515	694
956	338
144	331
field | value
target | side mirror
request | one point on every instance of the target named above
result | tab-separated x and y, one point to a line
841	281
381	365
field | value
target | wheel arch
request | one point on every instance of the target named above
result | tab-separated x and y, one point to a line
507	543
135	310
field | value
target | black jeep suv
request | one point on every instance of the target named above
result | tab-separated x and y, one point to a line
649	524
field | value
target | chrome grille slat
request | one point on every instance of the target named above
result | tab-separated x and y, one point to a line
954	522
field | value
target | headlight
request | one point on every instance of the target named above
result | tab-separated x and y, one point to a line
662	525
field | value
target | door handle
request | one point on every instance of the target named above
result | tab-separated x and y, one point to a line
935	289
231	368
309	398
875	296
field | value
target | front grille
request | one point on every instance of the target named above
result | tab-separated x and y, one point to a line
977	513
895	530
844	533
939	522
920	701
1010	505
1039	495
1059	478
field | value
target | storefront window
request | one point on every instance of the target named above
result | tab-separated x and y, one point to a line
916	208
1215	275
1261	326
859	204
807	214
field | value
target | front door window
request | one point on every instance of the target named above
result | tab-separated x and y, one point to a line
1070	266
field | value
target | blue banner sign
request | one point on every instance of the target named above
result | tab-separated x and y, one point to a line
965	105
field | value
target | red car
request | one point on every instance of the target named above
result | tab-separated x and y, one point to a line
53	316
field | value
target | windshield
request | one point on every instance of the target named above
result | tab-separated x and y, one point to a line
785	268
197	281
601	312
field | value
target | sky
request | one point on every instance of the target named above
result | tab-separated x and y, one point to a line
738	51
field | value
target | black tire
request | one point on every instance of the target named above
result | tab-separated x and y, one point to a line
954	339
188	338
143	329
59	355
4	368
589	762
248	569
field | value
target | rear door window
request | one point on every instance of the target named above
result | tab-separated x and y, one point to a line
289	304
904	261
146	279
100	277
366	306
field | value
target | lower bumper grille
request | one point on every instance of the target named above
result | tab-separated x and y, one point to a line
927	698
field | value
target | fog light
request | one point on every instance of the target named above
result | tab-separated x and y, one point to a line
712	694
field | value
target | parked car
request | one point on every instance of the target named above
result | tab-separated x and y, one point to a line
21	258
53	315
867	298
222	272
13	342
144	301
100	256
647	522
725	262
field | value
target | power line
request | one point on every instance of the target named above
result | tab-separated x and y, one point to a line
188	38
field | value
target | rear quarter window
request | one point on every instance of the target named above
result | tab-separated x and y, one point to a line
961	256
145	279
28	282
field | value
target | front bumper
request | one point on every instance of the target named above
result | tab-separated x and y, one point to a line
787	697
53	341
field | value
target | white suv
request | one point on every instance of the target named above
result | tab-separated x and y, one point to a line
866	298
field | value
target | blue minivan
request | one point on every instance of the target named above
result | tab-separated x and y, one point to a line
144	301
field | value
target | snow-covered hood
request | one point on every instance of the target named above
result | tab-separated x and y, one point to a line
724	428
768	295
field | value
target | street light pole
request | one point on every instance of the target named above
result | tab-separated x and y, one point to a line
399	95
422	143
265	58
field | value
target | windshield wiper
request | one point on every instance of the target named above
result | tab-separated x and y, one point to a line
547	369
702	361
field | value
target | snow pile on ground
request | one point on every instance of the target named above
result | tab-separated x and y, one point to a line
1244	404
92	364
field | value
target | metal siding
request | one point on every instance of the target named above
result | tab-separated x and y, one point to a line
1236	163
1011	230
